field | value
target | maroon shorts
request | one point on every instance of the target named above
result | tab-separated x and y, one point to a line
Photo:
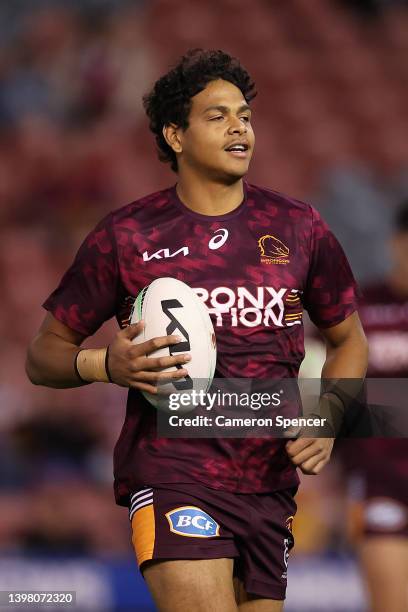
191	521
381	504
378	485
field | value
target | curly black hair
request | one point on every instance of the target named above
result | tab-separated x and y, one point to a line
170	99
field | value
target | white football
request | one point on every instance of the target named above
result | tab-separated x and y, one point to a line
169	306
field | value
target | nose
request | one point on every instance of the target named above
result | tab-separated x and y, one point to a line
236	126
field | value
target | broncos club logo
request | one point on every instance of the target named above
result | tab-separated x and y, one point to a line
273	251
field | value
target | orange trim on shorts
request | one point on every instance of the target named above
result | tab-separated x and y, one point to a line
143	533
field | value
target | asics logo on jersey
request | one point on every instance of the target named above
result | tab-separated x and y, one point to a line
219	239
165	254
265	306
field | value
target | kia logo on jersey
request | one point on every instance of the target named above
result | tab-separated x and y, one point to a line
219	239
192	522
164	254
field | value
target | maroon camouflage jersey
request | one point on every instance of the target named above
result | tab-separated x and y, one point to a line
384	316
255	268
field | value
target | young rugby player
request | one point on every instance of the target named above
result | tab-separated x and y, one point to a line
232	551
381	465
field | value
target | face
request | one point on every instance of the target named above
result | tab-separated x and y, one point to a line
219	140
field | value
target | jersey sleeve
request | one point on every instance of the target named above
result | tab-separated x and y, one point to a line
331	293
86	296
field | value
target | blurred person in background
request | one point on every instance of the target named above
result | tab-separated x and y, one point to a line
201	118
379	486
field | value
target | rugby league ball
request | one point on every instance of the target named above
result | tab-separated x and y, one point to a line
168	306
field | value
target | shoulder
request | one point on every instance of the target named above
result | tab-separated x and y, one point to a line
113	229
147	205
264	196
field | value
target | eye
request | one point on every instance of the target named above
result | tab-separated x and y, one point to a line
217	118
246	118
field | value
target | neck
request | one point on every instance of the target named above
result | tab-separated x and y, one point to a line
209	197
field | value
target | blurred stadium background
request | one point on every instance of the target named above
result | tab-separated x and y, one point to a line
331	121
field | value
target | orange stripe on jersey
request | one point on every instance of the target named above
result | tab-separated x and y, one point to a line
143	533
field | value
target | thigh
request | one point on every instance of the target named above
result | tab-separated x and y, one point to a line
202	585
384	563
261	605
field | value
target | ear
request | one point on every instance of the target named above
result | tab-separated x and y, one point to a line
171	133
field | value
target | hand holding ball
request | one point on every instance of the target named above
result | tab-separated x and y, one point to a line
169	307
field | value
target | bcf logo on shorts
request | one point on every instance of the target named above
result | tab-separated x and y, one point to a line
192	522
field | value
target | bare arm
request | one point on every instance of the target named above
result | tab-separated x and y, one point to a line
51	356
346	350
346	357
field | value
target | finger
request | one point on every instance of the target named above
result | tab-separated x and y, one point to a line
161	377
165	391
308	453
293	447
320	466
313	466
160	342
132	331
153	363
144	387
145	348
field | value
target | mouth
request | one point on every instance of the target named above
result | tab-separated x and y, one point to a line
239	150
